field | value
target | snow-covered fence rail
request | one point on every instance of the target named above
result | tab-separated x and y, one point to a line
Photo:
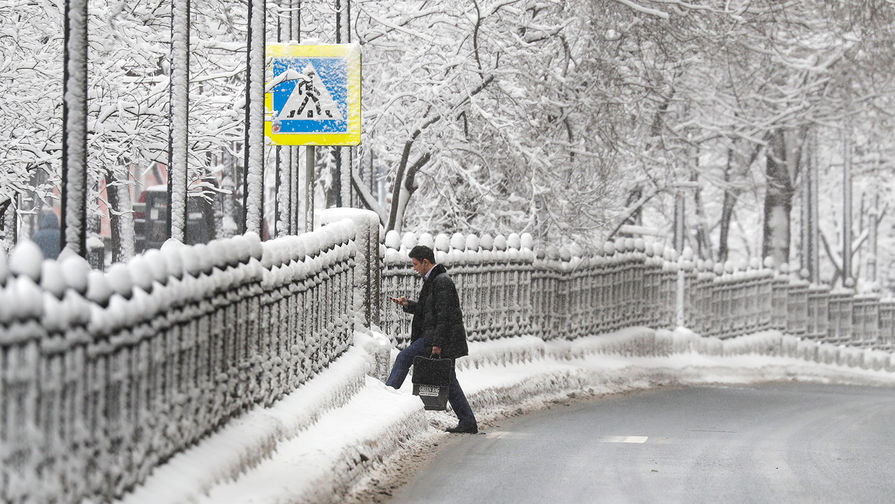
507	289
103	376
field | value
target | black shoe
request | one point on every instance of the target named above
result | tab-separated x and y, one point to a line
463	429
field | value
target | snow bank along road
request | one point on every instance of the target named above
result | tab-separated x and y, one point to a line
781	442
343	435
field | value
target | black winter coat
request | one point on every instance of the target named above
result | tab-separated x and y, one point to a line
437	316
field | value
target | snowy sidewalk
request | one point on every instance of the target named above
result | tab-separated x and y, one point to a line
319	443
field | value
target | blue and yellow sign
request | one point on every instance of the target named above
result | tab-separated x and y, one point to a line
314	95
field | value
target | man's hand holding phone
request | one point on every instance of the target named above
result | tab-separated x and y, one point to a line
399	300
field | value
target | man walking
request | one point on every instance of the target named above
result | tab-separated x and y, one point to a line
437	329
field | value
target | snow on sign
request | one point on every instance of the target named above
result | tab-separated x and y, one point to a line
313	97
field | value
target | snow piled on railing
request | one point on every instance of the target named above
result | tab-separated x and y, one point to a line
106	374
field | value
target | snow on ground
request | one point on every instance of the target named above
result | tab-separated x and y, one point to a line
341	433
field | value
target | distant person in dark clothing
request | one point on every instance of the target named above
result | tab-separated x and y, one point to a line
437	329
48	236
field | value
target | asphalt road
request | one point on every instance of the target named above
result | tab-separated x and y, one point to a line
773	443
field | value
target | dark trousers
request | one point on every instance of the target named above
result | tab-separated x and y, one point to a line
455	394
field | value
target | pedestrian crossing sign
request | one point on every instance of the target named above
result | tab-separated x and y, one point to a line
313	95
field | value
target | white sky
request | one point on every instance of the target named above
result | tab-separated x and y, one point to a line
317	442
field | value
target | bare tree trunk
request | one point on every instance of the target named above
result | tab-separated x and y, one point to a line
114	221
8	225
121	219
733	170
703	244
778	201
404	191
634	195
730	199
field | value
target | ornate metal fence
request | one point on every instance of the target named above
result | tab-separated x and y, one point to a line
506	289
105	376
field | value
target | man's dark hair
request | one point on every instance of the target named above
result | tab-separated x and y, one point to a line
421	252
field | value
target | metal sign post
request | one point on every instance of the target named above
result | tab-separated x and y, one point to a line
310	159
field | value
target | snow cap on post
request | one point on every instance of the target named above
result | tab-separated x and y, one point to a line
670	254
230	253
66	253
269	254
526	241
312	244
472	243
26	297
393	239
298	250
98	289
609	248
120	280
140	272
75	269
173	261
408	241
26	260
255	250
458	241
157	265
500	242
243	249
52	278
427	240
565	254
513	241
218	253
206	259
442	242
487	242
190	261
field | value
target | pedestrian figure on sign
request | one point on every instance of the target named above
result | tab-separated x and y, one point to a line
306	87
437	329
